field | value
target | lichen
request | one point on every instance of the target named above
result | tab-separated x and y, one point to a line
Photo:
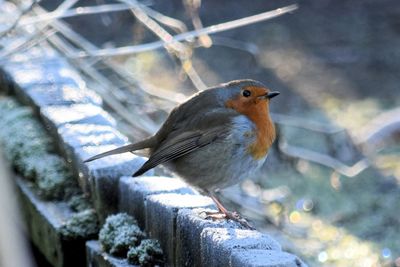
148	253
29	148
79	202
119	233
83	224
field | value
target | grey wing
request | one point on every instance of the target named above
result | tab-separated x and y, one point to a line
182	144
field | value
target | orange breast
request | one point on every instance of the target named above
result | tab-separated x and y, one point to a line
265	130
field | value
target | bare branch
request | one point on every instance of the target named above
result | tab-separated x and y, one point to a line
79	11
381	127
305	124
325	160
23	13
110	52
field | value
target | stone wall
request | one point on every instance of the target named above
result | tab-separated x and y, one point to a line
165	207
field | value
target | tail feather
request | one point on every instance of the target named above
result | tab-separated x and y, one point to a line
147	143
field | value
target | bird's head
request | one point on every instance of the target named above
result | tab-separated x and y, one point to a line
248	96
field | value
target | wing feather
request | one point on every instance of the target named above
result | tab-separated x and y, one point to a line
182	144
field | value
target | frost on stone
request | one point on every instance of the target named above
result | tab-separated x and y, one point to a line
52	177
83	224
79	202
148	253
119	233
29	148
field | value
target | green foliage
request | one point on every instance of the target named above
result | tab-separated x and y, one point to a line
119	233
83	224
79	202
148	253
29	148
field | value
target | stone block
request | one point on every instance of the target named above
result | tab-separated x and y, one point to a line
61	94
133	193
44	52
97	258
77	113
80	135
44	220
56	116
217	244
45	72
103	176
161	213
189	225
264	258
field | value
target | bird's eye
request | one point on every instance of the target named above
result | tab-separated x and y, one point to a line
246	93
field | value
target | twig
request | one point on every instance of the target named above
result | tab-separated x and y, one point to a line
178	49
141	122
79	11
175	24
236	44
17	45
322	159
110	52
305	124
23	13
192	6
380	127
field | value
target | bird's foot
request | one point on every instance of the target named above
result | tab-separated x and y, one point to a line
234	216
215	215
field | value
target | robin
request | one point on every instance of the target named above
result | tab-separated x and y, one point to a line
214	140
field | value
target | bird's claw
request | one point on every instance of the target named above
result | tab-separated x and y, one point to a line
234	216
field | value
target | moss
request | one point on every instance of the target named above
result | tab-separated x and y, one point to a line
79	202
83	224
29	148
148	253
119	233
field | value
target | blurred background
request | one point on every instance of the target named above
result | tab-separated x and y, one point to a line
329	190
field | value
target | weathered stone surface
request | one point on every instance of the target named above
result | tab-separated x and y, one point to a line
44	52
46	72
133	193
44	220
61	94
161	213
189	225
97	258
217	244
77	113
104	175
55	117
80	135
264	258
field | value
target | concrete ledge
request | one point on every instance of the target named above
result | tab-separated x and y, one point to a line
161	213
163	206
134	192
217	244
44	221
264	258
97	258
190	224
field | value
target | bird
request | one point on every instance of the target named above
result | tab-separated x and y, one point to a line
215	139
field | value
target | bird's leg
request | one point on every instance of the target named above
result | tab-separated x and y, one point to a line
224	213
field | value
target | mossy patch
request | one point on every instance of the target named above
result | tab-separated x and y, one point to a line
79	202
83	224
121	236
119	233
148	253
29	148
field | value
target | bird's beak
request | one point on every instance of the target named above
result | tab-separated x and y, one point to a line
270	95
